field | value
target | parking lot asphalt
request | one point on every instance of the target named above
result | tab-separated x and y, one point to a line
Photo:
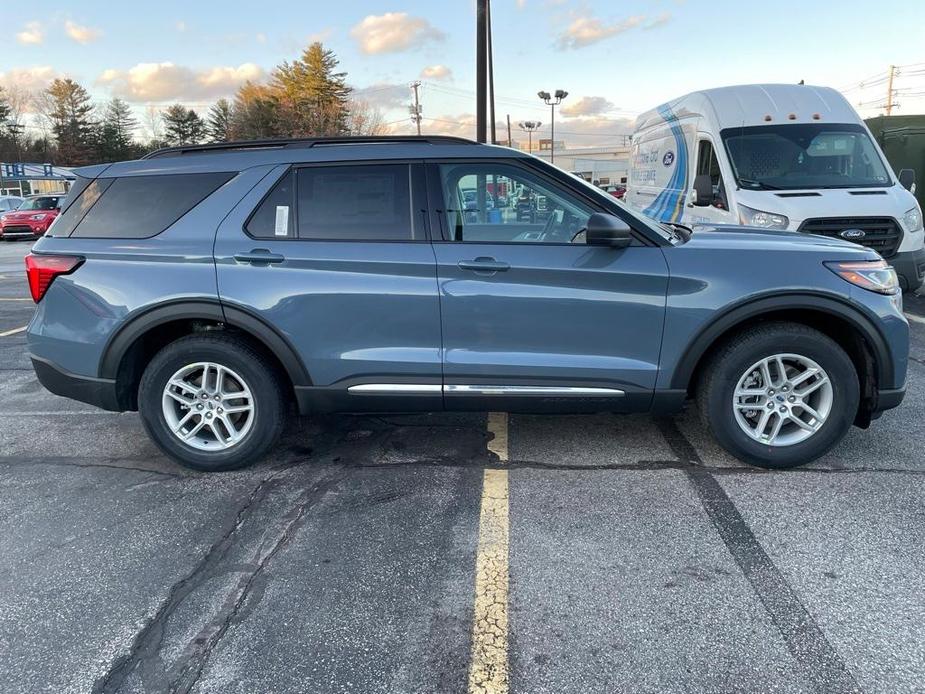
634	555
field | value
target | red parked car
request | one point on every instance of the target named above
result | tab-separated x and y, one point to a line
31	219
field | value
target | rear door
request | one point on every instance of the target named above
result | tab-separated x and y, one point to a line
532	317
335	258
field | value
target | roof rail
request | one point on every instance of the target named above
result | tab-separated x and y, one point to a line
300	143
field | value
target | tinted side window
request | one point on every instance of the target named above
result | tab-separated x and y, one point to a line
273	217
493	202
77	206
364	202
140	207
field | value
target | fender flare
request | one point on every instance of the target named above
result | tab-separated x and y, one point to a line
752	308
203	309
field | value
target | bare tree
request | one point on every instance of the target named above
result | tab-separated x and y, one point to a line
365	119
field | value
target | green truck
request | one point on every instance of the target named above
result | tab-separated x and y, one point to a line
902	139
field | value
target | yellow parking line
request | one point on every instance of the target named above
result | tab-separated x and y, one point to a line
914	318
14	331
488	671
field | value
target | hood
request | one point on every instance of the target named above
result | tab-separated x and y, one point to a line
755	239
799	205
17	216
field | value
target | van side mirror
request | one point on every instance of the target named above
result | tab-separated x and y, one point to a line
907	178
703	190
608	230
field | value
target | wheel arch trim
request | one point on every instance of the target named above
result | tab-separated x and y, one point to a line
754	307
202	309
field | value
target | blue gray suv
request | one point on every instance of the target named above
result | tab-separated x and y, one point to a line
216	288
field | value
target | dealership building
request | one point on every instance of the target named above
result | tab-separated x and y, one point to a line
604	165
33	179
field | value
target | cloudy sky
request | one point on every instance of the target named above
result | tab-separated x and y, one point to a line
615	58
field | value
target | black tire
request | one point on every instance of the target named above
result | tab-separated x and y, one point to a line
722	373
237	354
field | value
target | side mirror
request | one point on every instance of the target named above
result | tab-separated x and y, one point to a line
907	178
703	190
608	230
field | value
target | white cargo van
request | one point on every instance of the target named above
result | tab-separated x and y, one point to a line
776	156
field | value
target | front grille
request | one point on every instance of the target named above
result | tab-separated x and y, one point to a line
17	229
882	234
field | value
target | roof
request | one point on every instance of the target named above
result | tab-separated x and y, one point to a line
238	156
752	104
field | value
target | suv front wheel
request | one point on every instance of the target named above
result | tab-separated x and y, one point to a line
779	395
211	403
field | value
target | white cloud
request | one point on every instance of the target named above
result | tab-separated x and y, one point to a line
31	35
587	106
436	72
261	37
81	34
384	96
168	82
393	32
32	79
587	30
181	26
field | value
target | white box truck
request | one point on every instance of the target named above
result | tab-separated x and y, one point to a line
775	156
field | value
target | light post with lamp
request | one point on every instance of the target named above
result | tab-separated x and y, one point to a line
528	126
552	102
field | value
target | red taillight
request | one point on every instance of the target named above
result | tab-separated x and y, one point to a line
42	269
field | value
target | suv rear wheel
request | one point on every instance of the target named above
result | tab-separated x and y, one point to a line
779	395
211	403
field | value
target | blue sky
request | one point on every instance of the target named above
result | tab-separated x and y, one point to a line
615	58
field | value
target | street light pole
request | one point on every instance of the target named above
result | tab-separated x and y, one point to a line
552	101
528	126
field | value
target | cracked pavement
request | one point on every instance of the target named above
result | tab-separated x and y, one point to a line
640	557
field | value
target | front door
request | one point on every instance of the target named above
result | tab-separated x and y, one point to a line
532	317
335	258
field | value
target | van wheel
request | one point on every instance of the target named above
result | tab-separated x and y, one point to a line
779	395
211	403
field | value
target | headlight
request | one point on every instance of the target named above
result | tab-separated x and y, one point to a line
766	220
37	217
912	220
873	275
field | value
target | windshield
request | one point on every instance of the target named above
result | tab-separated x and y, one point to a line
42	203
816	155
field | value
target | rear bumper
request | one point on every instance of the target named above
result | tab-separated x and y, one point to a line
100	392
910	266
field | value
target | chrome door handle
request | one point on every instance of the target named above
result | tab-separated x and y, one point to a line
484	264
259	256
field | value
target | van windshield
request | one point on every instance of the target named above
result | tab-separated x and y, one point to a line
811	155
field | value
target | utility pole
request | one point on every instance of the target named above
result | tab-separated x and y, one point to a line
481	69
889	90
416	108
509	141
491	73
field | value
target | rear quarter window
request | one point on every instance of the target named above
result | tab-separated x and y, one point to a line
136	207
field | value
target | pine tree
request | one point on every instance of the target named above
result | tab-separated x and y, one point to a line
183	126
313	97
255	114
117	142
219	121
72	122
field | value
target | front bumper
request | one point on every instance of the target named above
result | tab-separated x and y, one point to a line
22	231
100	392
910	266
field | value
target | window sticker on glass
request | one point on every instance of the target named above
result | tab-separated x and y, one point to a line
282	220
